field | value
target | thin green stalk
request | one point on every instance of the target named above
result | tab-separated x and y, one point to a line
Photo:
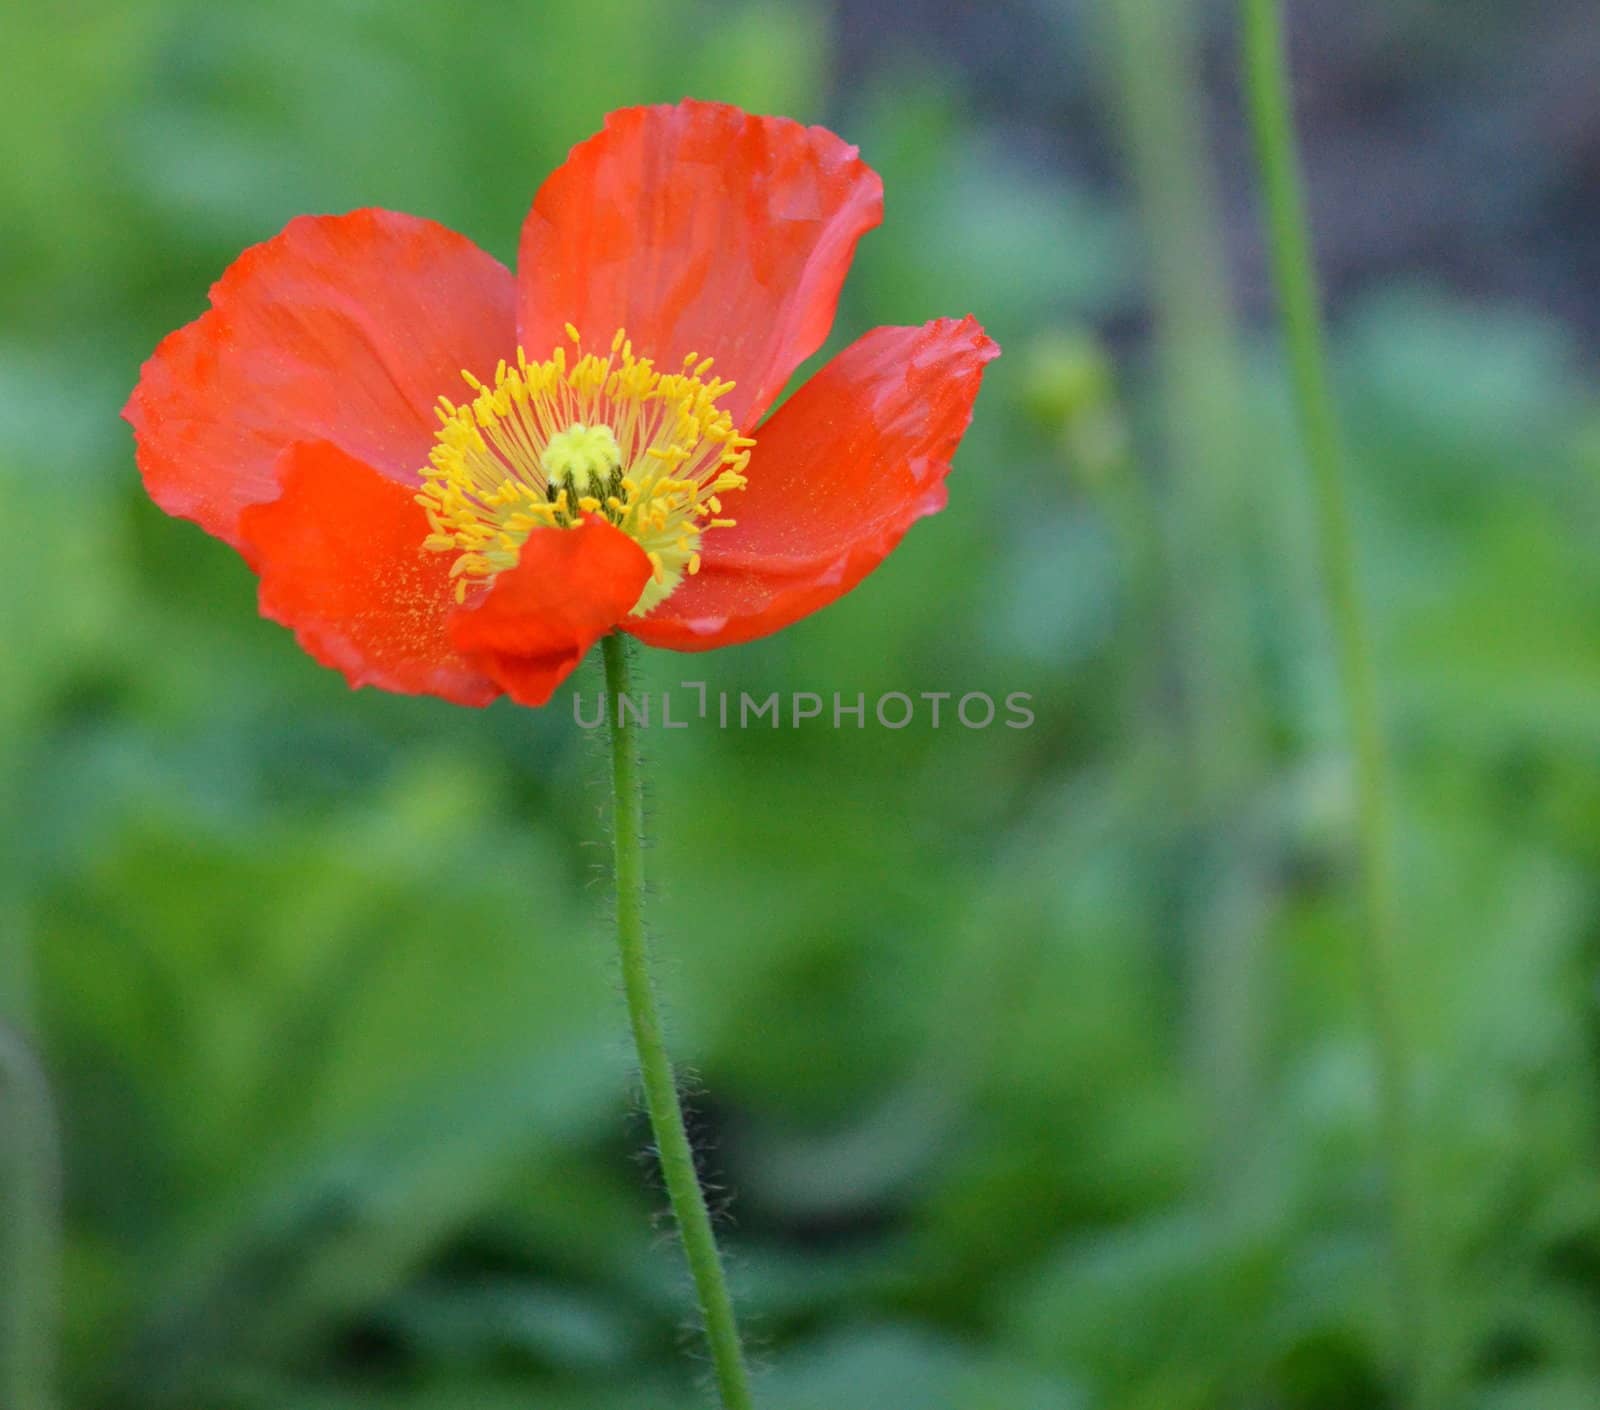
1277	155
1153	50
655	1068
29	1224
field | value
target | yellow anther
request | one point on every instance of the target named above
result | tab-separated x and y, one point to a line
552	441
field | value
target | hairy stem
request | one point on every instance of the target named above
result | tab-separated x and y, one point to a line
655	1067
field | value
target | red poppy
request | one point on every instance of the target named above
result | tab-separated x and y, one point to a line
446	488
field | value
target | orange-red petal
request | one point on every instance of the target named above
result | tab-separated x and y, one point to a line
341	562
698	228
343	329
838	475
538	620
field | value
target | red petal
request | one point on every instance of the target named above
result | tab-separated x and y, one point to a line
839	473
341	561
698	228
569	588
343	329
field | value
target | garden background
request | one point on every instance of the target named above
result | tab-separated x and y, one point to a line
1032	1064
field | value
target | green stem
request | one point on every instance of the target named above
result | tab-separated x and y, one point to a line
655	1068
29	1254
1267	84
1152	46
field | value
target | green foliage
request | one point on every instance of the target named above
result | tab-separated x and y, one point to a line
322	977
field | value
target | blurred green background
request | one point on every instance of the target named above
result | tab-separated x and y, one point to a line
1032	1064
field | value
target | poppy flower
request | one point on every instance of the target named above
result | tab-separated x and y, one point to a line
453	481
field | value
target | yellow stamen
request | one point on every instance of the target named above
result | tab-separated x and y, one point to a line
548	443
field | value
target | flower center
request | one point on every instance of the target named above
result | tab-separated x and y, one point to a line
547	443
